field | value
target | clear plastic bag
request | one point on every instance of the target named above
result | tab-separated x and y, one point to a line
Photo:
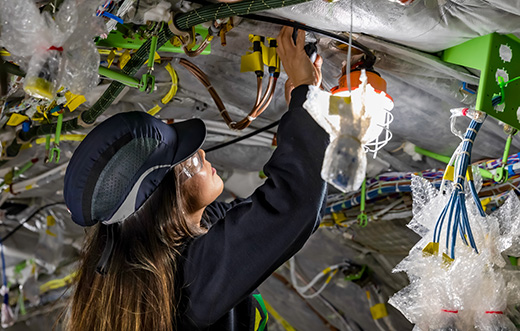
344	164
50	245
55	51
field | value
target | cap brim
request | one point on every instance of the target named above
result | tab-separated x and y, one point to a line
191	134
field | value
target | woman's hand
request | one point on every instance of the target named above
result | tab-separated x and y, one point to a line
297	65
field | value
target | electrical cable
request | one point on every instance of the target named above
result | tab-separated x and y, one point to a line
370	57
254	113
183	21
19	226
214	148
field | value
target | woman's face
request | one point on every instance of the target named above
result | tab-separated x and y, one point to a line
203	187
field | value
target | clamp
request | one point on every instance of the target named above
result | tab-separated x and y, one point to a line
147	83
55	151
186	37
362	217
502	174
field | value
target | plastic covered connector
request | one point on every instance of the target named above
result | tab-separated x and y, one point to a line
54	51
471	113
470	292
345	163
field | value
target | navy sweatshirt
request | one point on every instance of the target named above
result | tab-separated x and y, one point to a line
250	238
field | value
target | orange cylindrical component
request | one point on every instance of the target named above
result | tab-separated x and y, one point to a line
378	83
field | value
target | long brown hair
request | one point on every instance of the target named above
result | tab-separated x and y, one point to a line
139	291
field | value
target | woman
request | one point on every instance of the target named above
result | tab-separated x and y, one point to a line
164	256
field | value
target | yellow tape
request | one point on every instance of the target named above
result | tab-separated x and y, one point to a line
124	58
339	217
280	319
337	104
4	53
251	62
57	283
68	137
449	173
17	119
50	233
431	249
156	58
485	202
28	187
51	221
265	54
378	311
446	261
74	100
111	58
154	110
270	55
469	174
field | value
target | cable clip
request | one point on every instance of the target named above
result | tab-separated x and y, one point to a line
186	37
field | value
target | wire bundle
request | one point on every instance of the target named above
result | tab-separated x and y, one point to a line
261	103
455	210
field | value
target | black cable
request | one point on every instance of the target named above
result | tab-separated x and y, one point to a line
370	57
249	135
28	219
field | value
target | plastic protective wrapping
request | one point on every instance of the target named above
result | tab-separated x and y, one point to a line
55	51
469	292
50	244
429	25
354	119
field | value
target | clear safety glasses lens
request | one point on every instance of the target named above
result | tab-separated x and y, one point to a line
191	166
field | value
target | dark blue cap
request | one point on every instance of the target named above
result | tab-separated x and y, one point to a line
121	162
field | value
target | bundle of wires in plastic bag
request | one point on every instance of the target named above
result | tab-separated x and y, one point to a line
56	50
458	279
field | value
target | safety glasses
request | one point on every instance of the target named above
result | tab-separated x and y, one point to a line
191	166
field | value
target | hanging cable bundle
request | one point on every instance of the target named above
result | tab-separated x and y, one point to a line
455	210
467	290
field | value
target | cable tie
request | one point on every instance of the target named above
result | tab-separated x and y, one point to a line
471	129
54	48
251	118
459	186
223	110
450	311
467	139
466	152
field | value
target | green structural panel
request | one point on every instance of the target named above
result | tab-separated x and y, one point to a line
494	55
116	39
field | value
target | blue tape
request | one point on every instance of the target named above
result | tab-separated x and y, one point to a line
113	17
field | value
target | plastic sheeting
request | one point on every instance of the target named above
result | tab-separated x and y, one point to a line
428	25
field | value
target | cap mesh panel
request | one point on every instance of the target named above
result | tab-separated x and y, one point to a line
115	178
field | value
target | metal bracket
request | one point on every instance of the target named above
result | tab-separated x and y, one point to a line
186	37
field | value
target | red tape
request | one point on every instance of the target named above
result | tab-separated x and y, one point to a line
495	312
450	311
54	48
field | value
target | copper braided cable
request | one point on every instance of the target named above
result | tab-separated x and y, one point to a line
199	49
258	90
260	103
